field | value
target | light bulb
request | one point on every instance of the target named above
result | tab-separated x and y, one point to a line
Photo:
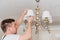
48	15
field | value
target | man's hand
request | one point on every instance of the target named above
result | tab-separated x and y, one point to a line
30	19
25	11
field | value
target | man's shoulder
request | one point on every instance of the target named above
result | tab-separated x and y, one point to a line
12	37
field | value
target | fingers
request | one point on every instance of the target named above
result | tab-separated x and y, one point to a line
31	19
25	11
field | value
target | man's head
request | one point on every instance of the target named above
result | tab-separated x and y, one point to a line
9	25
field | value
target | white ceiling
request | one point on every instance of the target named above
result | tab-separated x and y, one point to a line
12	8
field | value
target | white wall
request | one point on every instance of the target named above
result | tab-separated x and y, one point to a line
42	35
54	35
45	35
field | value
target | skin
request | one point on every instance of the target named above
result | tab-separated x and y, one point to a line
14	26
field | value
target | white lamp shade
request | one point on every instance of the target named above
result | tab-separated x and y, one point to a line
29	13
48	15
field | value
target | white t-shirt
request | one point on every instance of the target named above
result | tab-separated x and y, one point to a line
11	37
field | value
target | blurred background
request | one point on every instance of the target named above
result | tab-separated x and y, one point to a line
13	8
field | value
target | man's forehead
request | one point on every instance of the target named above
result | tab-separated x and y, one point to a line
13	23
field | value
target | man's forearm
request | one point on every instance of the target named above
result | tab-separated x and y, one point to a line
28	33
29	25
29	30
19	20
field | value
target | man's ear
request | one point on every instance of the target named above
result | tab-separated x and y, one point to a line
8	28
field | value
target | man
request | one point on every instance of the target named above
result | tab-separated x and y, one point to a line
10	26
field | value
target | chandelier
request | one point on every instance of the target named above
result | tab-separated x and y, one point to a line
39	21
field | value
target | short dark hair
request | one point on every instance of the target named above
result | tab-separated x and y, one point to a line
4	22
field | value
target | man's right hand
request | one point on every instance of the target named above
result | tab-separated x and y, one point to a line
30	19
